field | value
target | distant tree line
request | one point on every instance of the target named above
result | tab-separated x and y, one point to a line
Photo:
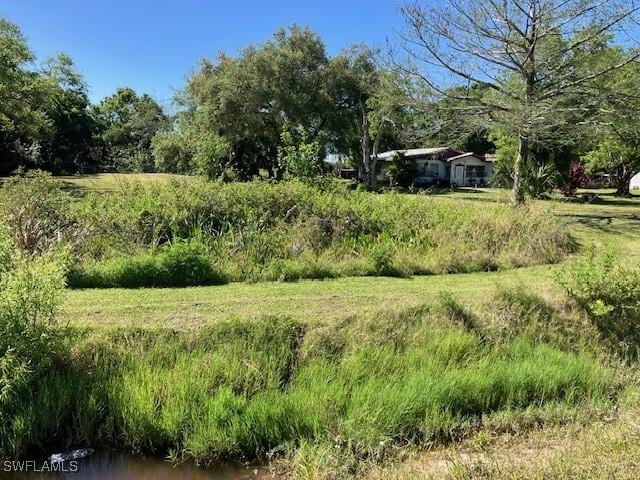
236	115
48	122
550	100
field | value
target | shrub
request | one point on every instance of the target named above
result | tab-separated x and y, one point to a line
186	263
609	293
538	180
209	156
30	294
138	161
576	179
30	338
402	171
172	152
37	211
298	157
383	263
179	264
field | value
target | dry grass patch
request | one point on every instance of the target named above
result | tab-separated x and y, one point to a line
604	449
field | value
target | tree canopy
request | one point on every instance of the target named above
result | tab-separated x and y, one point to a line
47	120
543	83
532	58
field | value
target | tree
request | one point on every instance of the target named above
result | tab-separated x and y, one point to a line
128	123
247	100
402	171
528	55
44	112
617	127
360	79
69	147
298	157
381	106
22	122
621	157
445	124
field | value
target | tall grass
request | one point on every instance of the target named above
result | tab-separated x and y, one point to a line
261	231
179	264
242	389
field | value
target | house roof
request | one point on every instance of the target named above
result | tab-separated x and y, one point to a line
415	152
464	155
485	158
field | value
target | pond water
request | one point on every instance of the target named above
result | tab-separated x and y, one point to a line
119	466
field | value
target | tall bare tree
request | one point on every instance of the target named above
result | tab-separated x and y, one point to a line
528	54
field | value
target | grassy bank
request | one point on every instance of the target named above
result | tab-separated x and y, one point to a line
135	235
609	223
603	448
346	377
362	388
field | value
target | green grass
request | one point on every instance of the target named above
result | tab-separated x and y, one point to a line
335	375
329	300
613	223
240	389
104	182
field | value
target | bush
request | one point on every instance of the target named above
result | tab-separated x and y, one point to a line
209	156
298	157
172	153
537	180
609	293
402	171
179	264
187	263
575	179
30	338
38	212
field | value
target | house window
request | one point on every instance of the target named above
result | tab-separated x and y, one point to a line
474	171
432	169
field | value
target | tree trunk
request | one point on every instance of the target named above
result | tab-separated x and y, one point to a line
623	179
374	159
373	177
365	142
529	71
517	192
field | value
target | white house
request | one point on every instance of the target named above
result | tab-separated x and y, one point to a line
444	165
634	186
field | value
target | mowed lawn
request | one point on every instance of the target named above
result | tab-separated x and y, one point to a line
608	222
110	181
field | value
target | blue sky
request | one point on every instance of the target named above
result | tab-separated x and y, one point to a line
152	45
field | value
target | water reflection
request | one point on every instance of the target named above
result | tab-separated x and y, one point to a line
118	466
